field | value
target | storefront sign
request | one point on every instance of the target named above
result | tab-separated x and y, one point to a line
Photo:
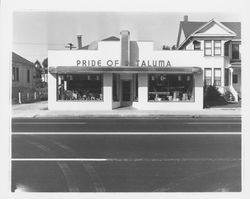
153	63
114	63
97	63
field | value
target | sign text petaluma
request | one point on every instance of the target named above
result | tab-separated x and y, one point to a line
153	63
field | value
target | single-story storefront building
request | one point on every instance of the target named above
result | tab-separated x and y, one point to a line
118	72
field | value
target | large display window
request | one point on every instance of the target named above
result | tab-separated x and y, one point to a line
171	88
82	87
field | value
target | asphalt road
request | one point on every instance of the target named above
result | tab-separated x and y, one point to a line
178	124
126	163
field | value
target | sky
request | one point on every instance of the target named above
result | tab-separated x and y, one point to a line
34	33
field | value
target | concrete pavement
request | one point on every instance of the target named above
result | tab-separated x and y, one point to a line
40	110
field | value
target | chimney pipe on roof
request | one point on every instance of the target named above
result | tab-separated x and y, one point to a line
185	18
79	41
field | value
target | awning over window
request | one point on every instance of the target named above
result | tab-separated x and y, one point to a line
121	69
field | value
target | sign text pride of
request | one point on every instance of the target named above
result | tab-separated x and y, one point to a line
115	63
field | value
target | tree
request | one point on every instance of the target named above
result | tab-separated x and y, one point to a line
38	67
45	65
38	74
165	47
173	47
212	97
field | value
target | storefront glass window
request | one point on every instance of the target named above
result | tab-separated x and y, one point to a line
170	87
84	87
217	77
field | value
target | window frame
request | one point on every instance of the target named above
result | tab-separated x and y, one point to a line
215	77
205	77
237	51
28	76
216	48
235	76
208	48
195	45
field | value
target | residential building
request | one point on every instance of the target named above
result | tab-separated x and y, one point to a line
23	79
220	43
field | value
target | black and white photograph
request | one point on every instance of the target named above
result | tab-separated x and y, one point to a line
125	101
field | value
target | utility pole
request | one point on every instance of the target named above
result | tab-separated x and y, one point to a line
70	46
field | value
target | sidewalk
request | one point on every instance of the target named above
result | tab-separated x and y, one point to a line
40	110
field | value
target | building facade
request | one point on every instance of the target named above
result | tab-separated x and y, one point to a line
23	79
118	72
220	43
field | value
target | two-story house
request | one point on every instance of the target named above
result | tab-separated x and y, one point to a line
23	79
220	43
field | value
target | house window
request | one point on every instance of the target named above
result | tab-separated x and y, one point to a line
208	76
235	79
15	74
217	47
170	88
197	45
208	48
235	51
217	77
28	76
226	77
84	87
226	49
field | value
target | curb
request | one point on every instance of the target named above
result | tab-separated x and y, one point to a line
36	116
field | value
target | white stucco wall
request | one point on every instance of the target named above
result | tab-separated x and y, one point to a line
106	51
177	58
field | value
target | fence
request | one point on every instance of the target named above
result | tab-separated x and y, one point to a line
21	97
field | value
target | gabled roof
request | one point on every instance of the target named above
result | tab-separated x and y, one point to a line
234	26
112	38
19	59
189	27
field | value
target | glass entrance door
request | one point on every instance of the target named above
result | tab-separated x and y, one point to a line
126	90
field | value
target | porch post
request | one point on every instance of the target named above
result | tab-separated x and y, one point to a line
231	76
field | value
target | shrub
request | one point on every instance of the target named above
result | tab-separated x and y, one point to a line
229	96
212	97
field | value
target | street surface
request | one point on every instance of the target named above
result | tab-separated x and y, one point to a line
126	162
209	124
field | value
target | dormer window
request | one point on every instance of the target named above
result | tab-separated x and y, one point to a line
208	48
197	45
217	48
